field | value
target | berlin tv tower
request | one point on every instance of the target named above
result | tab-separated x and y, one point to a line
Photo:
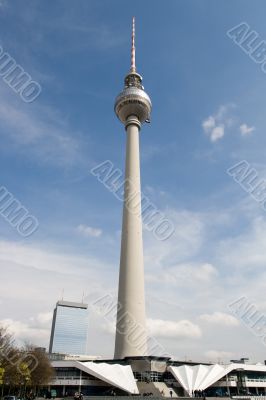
133	108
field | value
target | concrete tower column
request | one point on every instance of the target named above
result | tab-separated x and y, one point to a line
131	337
133	107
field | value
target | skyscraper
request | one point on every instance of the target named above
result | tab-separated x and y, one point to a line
69	328
132	107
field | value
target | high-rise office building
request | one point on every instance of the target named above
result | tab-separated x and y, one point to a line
69	328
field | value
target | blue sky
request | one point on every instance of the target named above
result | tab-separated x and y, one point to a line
198	80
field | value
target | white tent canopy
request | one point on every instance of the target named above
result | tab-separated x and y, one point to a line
120	376
200	377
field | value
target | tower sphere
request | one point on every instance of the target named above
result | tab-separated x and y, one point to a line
133	100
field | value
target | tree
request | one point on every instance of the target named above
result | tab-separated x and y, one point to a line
43	372
2	371
22	369
9	356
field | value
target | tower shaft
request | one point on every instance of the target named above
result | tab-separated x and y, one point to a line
131	339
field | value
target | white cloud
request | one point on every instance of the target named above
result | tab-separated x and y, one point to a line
246	130
186	241
89	231
173	329
44	318
26	332
164	328
220	319
217	133
45	259
214	126
186	274
215	355
208	123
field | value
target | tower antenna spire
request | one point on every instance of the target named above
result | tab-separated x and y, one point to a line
133	49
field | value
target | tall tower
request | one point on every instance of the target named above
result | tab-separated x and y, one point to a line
132	107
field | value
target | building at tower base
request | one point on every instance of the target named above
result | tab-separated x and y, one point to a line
159	376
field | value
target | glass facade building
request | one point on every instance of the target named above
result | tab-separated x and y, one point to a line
69	328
